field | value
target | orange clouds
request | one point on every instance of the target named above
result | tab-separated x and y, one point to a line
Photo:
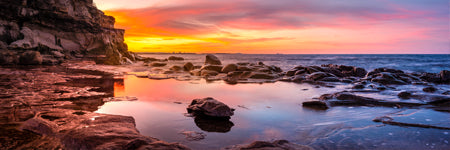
253	26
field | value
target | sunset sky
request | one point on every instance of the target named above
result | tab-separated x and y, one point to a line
283	26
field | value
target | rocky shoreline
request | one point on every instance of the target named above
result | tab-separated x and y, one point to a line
53	105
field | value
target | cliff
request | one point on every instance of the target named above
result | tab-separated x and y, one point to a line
59	29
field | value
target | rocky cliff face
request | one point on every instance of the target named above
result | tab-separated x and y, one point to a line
59	29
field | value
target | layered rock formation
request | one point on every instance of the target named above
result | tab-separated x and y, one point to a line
74	28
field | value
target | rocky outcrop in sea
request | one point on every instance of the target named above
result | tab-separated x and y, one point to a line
50	31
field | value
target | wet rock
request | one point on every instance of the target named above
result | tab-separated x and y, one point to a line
205	73
229	68
212	60
216	68
345	98
213	124
317	76
404	95
57	54
330	79
158	64
276	145
359	72
209	107
175	58
244	68
196	72
158	76
176	68
260	75
431	77
193	136
445	76
30	58
298	79
359	86
429	89
188	66
316	105
290	73
8	57
387	78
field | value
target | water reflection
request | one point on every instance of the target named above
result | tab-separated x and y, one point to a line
211	124
271	111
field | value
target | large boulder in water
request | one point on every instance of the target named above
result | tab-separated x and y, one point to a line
209	107
212	60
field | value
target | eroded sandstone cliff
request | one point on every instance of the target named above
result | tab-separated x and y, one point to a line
73	28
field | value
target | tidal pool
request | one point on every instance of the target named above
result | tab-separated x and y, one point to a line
271	111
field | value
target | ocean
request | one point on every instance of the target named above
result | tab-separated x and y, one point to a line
273	111
433	63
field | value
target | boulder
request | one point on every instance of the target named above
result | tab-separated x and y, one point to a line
30	58
188	66
261	75
317	76
209	107
445	76
212	60
158	64
359	86
404	95
229	68
216	68
176	68
429	89
205	73
175	58
315	105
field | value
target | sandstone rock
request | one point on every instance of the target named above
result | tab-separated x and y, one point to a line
229	68
158	64
188	66
8	57
77	27
57	54
291	73
260	75
216	68
317	76
209	107
298	79
30	58
205	73
244	68
175	58
196	72
176	68
212	60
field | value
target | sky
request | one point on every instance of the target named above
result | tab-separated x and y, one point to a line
283	26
